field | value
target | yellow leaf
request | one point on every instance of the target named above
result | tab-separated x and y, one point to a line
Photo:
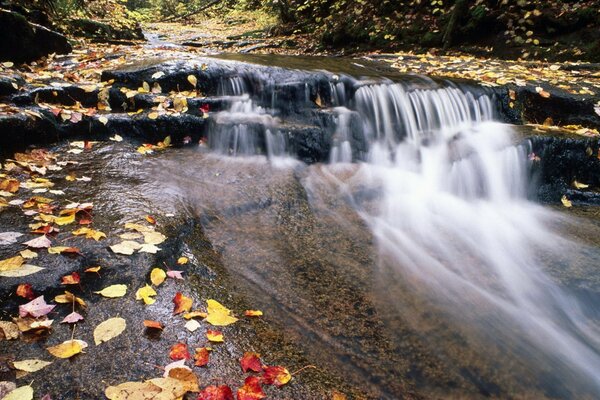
219	315
57	249
154	237
68	219
69	297
24	270
68	348
31	365
11	263
579	185
145	294
215	336
90	233
193	80
566	202
103	120
109	329
182	260
133	391
28	254
113	291
153	115
157	276
21	393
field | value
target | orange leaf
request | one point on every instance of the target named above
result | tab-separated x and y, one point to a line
253	313
277	376
251	389
216	393
201	356
26	291
179	351
153	324
251	361
182	303
151	219
93	269
72	279
214	336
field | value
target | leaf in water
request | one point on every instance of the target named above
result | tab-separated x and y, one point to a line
146	293
277	376
21	393
35	308
72	318
214	336
25	290
201	357
109	329
113	291
182	303
179	351
251	362
219	315
157	276
566	202
68	348
126	247
7	238
251	389
39	243
32	365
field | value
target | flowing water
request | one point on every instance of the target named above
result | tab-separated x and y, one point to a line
413	259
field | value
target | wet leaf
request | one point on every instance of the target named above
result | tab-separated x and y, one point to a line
193	80
11	263
579	185
126	247
25	290
93	269
35	308
150	219
24	270
219	315
135	391
21	393
251	389
182	260
566	202
201	356
116	138
214	336
253	313
113	291
192	325
277	376
195	314
179	351
39	243
109	329
63	250
149	248
7	238
146	294
182	303
251	362
32	365
175	274
157	276
69	297
216	393
89	233
72	318
28	254
153	324
9	330
68	348
186	377
154	237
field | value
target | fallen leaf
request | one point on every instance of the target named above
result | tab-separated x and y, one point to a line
39	243
182	303
21	393
277	376
566	202
9	330
24	270
219	315
338	396
179	351
113	291
28	254
214	336
175	274
157	276
153	324
192	325
93	269
146	294
135	391
201	356
186	377
32	365
25	290
116	138
126	247
251	389
253	313
150	219
68	348
579	185
69	298
35	308
109	329
251	361
154	237
72	279
182	260
72	318
89	233
11	263
7	238
193	80
148	248
216	393
63	250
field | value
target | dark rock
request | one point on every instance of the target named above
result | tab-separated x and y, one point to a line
21	41
104	32
7	84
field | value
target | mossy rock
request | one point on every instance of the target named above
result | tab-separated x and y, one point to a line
98	30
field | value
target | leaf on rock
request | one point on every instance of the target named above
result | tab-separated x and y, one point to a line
28	254
251	389
109	329
116	138
21	393
25	290
219	315
39	243
68	348
182	260
7	238
182	303
72	318
193	80
89	233
579	185
72	279
202	356
11	263
175	274
32	365
251	361
154	237
69	297
214	336
153	324
63	250
149	248
146	294
192	325
186	377
150	219
566	202
24	270
216	393
179	351
135	391
157	276
8	330
93	269
253	313
35	308
126	247
277	376
113	291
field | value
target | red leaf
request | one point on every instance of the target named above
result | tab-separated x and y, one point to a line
251	389
205	108
201	356
179	351
251	361
182	303
277	376
72	279
26	291
216	393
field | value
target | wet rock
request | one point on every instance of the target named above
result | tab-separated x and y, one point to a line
10	84
21	41
104	32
